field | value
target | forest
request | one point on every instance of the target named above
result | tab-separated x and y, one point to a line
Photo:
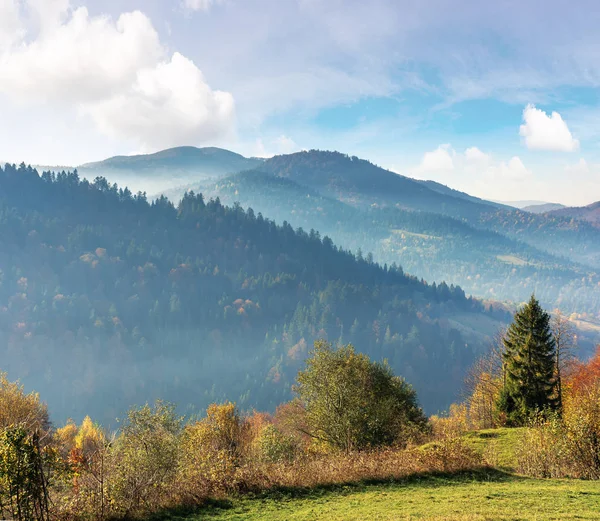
494	261
111	299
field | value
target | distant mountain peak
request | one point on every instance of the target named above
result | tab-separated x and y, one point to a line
175	153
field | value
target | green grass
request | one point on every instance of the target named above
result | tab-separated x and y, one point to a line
483	495
478	496
498	445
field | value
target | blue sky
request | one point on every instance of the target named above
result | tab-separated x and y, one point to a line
498	99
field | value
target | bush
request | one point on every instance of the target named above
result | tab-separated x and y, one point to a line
567	447
272	446
353	403
212	450
145	458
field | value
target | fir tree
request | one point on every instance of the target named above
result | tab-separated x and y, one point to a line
529	370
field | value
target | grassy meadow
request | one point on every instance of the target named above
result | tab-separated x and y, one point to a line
493	495
496	494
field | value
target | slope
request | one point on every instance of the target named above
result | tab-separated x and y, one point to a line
168	168
107	299
589	213
362	183
431	246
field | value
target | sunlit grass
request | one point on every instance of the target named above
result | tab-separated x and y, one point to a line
478	496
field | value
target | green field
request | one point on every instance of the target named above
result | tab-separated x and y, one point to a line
494	494
478	496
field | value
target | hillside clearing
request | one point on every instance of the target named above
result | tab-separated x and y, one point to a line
476	497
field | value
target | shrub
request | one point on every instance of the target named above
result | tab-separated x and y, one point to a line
212	450
353	403
145	458
272	446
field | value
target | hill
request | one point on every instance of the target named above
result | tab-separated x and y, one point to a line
589	213
209	161
443	189
435	247
363	184
543	208
111	299
168	168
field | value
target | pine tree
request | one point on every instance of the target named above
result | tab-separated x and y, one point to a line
528	365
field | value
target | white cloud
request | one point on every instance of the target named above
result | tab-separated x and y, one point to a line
116	72
472	164
439	160
200	5
280	145
580	168
10	24
286	145
513	170
83	59
167	105
543	132
476	157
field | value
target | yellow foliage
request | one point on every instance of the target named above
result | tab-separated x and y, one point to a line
64	438
89	438
212	448
18	408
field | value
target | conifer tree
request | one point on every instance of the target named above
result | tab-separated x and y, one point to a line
529	359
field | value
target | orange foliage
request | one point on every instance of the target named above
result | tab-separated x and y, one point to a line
583	376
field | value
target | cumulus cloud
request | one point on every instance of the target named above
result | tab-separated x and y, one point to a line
439	160
10	26
117	72
167	105
280	145
513	170
471	164
543	132
476	157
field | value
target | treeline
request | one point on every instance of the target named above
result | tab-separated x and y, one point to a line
158	461
107	298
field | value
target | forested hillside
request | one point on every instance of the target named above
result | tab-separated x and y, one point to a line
589	213
108	299
435	247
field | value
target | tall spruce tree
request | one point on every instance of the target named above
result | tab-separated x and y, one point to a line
529	359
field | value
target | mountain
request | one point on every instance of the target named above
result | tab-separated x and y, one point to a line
362	183
432	246
168	168
443	189
589	213
543	208
522	204
107	299
210	161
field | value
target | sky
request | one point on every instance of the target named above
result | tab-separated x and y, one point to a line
499	99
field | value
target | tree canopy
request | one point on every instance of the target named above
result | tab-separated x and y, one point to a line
353	403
